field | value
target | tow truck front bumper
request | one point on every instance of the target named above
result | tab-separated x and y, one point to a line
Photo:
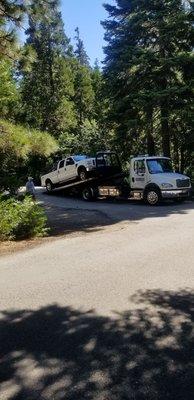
176	194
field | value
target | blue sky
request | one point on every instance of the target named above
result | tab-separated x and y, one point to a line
86	14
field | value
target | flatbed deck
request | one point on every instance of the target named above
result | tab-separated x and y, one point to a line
96	180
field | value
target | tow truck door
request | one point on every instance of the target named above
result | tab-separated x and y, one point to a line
138	174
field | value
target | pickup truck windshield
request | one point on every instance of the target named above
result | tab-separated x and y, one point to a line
79	158
159	165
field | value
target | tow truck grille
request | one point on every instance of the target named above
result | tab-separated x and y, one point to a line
183	183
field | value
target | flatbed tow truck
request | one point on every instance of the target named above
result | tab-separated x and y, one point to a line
150	179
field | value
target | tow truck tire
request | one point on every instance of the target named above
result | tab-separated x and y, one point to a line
152	196
88	194
49	186
82	173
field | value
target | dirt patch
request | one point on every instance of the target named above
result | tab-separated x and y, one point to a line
10	247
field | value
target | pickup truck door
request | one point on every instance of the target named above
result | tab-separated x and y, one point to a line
53	175
71	169
61	171
138	174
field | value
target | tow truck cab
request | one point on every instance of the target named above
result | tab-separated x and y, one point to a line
153	179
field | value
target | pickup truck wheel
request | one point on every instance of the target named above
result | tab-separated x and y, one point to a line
49	186
88	194
152	196
82	174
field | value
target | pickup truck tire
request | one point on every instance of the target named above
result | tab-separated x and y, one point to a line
49	186
82	173
152	195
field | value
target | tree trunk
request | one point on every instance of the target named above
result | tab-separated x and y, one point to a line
149	131
165	129
182	159
176	153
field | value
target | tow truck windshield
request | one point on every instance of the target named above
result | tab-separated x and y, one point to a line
159	165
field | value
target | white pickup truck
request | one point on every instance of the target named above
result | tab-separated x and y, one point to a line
68	169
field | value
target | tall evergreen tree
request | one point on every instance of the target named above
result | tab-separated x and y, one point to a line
80	51
149	46
97	83
9	95
101	107
48	87
84	94
11	14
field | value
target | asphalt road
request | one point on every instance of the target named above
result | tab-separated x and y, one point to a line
104	314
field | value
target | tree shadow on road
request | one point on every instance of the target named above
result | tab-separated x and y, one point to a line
65	221
57	353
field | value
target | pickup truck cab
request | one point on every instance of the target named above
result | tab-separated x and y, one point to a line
153	179
68	169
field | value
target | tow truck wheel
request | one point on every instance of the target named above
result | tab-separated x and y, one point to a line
88	194
152	196
82	174
49	186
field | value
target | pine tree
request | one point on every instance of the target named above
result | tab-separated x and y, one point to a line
9	95
48	87
84	94
11	14
97	84
80	51
101	108
149	46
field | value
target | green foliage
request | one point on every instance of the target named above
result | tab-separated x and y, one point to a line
11	14
80	51
23	140
17	144
84	94
149	71
21	219
47	82
8	91
90	139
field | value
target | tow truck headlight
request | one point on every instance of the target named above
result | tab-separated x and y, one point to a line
167	186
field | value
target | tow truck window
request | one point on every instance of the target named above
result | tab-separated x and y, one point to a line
100	161
114	160
159	166
108	160
139	167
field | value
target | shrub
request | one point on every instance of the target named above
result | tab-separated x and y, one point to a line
18	144
21	219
